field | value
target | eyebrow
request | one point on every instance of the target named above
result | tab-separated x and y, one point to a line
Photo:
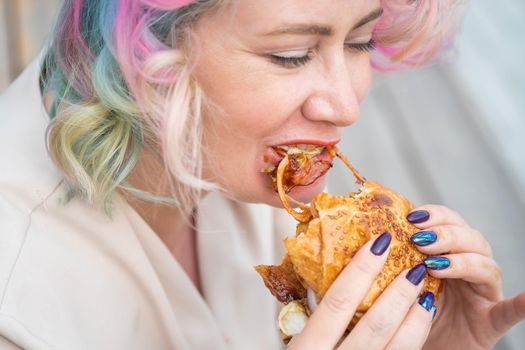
315	29
371	16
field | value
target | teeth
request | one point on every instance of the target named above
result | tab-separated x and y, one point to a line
309	150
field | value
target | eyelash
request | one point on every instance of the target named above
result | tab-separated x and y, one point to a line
366	47
293	62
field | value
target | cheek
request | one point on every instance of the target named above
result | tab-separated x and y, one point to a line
240	117
259	103
241	102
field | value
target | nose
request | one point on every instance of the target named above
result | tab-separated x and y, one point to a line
334	100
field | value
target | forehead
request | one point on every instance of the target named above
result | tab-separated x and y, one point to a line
257	16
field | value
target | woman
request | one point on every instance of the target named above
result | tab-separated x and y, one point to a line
133	228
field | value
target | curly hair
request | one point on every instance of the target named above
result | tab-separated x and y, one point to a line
119	82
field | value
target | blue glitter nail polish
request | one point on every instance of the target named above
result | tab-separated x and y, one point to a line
423	238
437	262
418	216
434	309
427	300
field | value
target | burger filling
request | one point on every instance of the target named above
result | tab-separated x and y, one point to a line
306	163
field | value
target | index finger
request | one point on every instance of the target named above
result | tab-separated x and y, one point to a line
335	311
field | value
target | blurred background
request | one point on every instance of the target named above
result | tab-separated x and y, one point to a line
451	134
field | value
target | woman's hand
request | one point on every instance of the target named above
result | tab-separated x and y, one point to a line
474	314
395	321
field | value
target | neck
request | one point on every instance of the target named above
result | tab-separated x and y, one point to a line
170	224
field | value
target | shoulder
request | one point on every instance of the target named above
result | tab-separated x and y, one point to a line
67	272
28	173
14	225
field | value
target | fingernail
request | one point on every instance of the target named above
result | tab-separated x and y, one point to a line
437	262
423	238
427	300
435	309
418	216
416	274
381	243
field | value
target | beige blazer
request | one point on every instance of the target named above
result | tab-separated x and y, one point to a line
72	278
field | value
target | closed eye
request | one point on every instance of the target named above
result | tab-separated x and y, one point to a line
362	47
288	60
292	59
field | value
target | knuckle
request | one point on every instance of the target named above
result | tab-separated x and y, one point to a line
456	216
436	210
378	326
441	209
487	249
449	215
447	236
498	274
337	302
495	272
477	234
485	245
405	293
453	238
401	296
366	267
459	266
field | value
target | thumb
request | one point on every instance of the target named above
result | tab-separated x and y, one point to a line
507	313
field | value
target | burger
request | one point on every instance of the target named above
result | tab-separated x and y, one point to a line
329	232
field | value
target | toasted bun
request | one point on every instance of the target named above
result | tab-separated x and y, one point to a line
339	226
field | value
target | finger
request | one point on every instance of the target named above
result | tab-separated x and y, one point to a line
481	271
378	325
507	313
335	311
414	330
433	215
451	239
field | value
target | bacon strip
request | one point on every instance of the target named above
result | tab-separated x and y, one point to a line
295	171
282	281
359	179
302	216
302	170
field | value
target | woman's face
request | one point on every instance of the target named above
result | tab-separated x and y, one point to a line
279	73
